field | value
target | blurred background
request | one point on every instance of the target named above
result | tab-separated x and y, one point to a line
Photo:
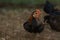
13	13
26	3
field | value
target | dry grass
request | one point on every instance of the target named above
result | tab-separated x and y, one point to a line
11	26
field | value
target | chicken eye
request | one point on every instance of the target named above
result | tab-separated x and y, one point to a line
35	13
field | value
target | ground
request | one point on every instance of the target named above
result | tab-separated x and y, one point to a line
11	26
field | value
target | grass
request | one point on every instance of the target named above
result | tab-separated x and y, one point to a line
11	26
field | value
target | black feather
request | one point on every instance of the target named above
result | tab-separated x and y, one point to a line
33	27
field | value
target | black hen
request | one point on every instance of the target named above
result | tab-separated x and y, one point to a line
33	27
54	16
